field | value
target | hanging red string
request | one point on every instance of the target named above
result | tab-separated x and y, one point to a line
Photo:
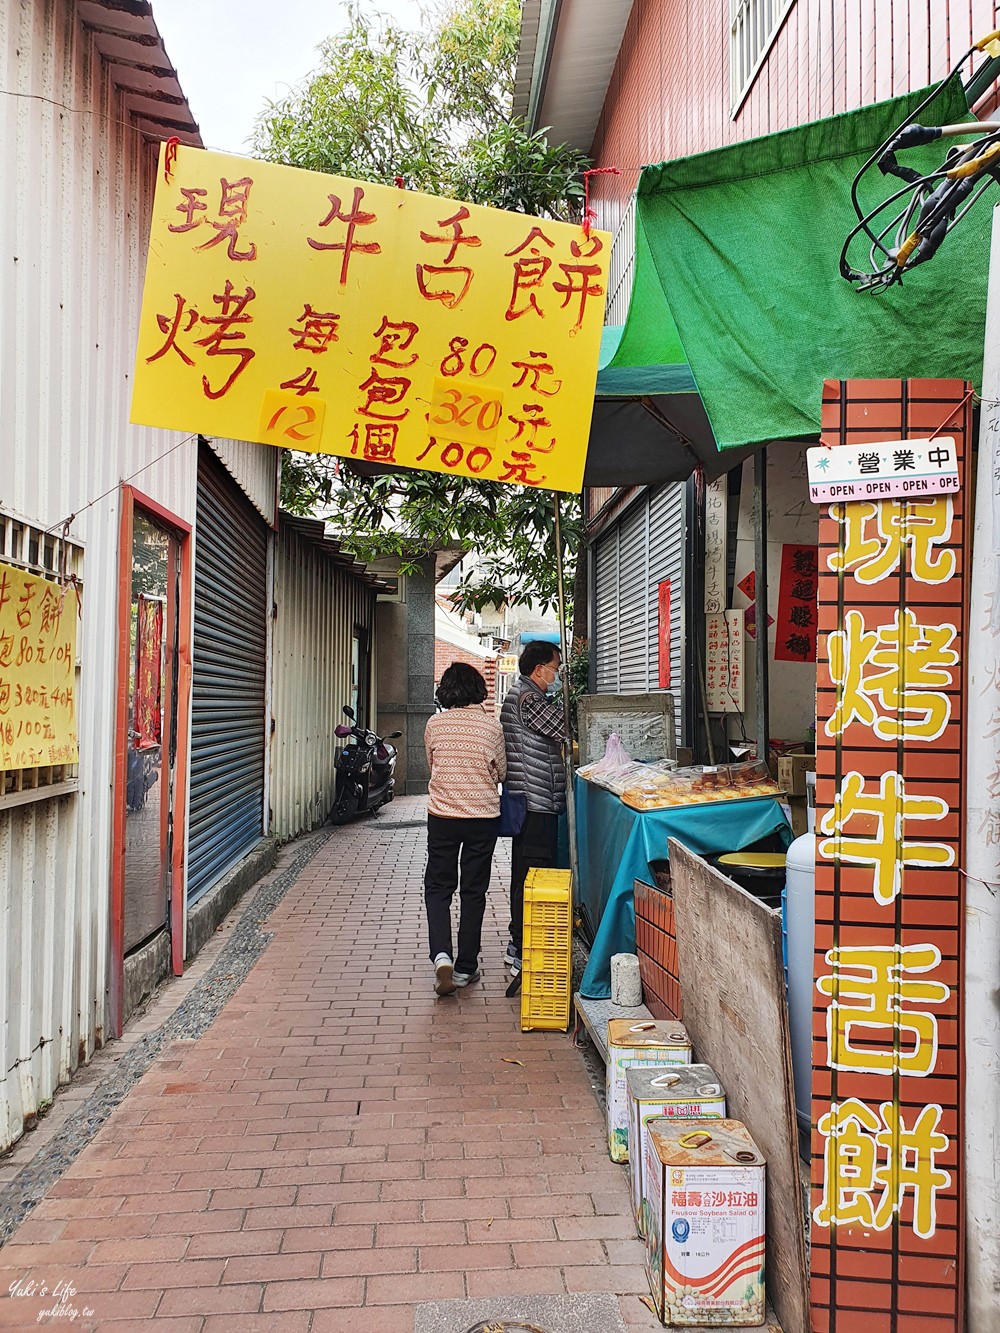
949	419
589	215
170	156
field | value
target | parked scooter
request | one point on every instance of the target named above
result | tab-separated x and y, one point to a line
365	771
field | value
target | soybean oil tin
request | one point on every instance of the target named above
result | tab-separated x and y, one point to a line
681	1092
631	1043
704	1182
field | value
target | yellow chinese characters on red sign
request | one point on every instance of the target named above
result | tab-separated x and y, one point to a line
887	1090
37	671
333	316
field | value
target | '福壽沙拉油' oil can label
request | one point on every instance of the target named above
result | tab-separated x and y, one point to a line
705	1223
680	1092
631	1044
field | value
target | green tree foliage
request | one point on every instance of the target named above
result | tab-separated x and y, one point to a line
434	108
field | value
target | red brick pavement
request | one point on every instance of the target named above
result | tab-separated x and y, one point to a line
340	1138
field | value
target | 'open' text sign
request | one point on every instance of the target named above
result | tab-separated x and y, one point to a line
906	468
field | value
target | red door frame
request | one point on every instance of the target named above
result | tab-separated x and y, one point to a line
132	499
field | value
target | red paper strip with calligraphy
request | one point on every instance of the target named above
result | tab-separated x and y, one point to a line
887	1044
795	637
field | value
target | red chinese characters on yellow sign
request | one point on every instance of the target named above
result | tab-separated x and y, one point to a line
342	317
886	1205
37	671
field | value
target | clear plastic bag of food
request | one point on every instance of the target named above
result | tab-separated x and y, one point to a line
612	768
697	786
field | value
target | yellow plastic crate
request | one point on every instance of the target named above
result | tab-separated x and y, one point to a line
546	950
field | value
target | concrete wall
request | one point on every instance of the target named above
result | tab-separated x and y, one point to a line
404	665
790	518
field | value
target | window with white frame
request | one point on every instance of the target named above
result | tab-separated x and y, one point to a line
753	26
621	268
48	555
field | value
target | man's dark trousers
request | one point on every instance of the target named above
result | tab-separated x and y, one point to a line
451	843
534	847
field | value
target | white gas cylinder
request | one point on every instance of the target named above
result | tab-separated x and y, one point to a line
800	925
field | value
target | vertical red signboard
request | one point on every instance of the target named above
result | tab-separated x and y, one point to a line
887	1042
663	634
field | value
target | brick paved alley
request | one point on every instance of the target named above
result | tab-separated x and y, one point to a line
340	1138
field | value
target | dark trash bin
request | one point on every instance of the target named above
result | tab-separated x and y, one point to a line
760	873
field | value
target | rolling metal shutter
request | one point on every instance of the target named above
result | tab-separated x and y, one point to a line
633	582
605	628
228	681
631	559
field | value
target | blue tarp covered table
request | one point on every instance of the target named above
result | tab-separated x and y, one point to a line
616	845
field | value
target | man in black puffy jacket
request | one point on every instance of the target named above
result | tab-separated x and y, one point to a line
534	732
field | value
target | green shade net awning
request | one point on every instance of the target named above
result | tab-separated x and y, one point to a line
737	280
649	424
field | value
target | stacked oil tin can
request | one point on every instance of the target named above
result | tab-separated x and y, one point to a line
697	1178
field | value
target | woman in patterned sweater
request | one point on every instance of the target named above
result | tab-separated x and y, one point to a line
467	759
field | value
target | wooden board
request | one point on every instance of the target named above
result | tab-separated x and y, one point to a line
733	988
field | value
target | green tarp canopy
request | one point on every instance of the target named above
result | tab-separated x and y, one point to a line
738	292
649	423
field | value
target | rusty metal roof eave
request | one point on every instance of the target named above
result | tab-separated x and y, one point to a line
314	531
125	34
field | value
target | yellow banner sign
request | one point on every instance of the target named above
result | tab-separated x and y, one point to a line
340	317
37	671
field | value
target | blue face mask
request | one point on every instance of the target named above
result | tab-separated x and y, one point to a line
556	684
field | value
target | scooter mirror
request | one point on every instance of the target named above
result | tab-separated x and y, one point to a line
394	735
348	711
341	730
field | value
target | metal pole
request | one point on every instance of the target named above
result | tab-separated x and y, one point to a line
564	647
760	602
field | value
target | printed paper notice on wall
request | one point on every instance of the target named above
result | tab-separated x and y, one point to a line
716	510
724	654
341	317
37	671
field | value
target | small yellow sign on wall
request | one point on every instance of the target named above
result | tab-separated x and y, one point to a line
37	671
340	317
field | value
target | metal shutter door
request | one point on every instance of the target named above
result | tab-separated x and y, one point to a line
666	561
632	599
228	681
605	628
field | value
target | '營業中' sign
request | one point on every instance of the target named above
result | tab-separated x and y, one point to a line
904	468
341	317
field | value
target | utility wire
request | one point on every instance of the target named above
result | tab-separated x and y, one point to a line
64	523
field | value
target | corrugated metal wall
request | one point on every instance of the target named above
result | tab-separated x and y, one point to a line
669	95
255	467
74	219
318	604
631	557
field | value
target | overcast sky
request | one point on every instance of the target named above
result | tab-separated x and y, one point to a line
232	57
